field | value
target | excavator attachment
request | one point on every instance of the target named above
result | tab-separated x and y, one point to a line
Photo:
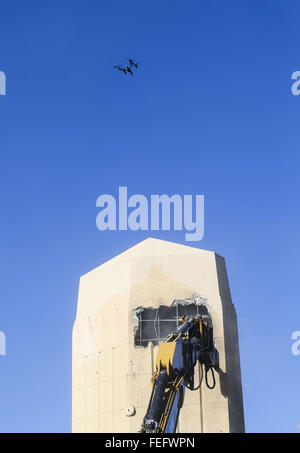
175	364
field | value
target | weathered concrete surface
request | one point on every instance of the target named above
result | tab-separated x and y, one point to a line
110	374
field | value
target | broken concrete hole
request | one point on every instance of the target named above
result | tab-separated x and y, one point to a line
155	324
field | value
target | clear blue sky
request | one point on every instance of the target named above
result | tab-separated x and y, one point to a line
210	111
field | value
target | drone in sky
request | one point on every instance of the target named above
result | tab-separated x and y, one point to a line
128	68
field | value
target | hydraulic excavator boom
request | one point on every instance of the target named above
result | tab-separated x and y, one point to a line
175	363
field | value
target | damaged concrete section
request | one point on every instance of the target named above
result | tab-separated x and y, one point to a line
155	324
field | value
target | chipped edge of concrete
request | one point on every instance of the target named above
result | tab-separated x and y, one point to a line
196	299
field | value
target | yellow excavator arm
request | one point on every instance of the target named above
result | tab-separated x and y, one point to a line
175	363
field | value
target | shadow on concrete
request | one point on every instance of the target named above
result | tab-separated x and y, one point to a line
231	380
223	383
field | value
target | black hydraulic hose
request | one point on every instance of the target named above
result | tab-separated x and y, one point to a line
213	376
200	379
